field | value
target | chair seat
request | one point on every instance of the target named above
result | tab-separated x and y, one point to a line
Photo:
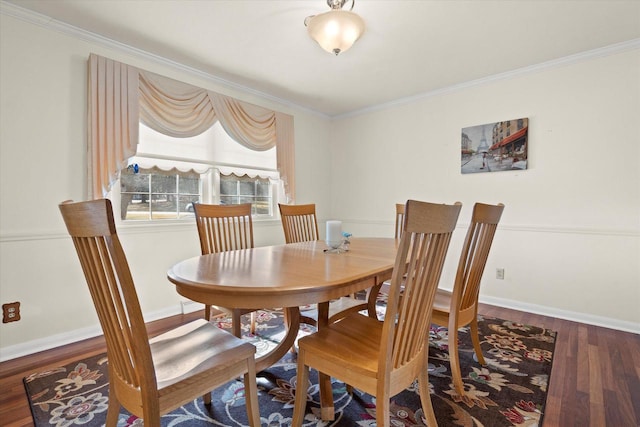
193	348
357	336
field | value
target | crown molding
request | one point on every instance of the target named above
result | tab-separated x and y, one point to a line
613	49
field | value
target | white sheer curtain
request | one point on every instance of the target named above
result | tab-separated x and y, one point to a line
120	96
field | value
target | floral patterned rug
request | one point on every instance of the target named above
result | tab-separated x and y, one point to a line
510	390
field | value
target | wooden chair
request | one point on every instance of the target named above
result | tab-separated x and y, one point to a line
300	224
225	228
383	358
150	377
460	307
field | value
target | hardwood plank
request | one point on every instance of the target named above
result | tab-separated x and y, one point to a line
619	395
615	409
631	357
582	359
580	407
631	368
634	396
606	349
562	381
553	411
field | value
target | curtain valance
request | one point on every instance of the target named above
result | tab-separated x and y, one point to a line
247	175
157	170
121	95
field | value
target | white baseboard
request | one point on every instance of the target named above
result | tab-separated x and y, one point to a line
189	306
590	319
42	344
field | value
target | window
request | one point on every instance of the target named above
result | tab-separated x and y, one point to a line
169	174
244	189
148	194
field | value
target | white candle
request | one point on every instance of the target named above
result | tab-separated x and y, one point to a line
334	233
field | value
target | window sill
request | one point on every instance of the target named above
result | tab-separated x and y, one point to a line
142	226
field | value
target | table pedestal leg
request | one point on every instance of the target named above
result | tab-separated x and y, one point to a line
293	326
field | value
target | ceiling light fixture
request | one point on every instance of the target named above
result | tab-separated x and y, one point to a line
337	30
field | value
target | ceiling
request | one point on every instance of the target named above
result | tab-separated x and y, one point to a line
409	48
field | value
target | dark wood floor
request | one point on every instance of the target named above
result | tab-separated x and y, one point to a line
595	380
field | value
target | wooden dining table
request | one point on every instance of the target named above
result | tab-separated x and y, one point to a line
287	276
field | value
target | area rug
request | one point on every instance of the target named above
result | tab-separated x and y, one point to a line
510	391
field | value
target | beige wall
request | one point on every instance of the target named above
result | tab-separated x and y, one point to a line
569	236
569	241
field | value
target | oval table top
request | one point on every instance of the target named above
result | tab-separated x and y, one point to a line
287	275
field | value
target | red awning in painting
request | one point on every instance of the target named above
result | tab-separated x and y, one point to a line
513	137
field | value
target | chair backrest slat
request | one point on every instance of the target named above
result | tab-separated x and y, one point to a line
421	255
299	223
224	227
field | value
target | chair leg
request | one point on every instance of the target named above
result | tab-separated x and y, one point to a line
151	415
251	395
207	312
301	392
382	410
252	327
236	323
475	338
113	411
454	360
425	397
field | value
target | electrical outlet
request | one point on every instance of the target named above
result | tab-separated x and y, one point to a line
500	273
10	312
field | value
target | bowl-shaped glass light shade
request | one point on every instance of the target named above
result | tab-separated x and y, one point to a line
335	31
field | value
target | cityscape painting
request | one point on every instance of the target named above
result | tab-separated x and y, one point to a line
495	147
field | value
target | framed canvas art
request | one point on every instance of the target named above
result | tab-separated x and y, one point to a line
495	147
